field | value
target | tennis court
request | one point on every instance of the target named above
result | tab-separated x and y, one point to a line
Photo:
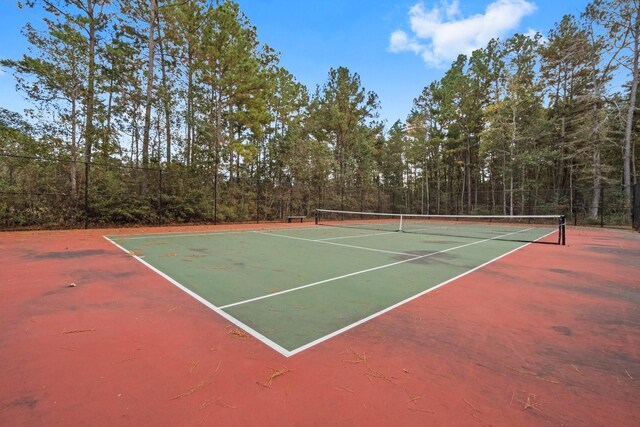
295	288
350	322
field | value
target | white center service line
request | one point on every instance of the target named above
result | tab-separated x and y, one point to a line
355	237
333	243
364	271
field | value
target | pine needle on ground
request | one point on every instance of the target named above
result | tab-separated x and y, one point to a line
191	390
238	333
76	331
358	358
275	373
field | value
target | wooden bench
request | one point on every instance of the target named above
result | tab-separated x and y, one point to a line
296	217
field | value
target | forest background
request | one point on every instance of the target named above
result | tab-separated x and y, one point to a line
148	112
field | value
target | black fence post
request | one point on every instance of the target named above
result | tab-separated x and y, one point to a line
258	189
215	196
574	205
602	207
86	194
636	207
160	196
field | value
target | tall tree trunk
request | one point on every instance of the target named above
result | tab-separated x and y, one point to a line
597	182
493	190
106	134
217	152
189	137
91	80
230	144
596	138
147	112
438	186
511	153
238	159
627	158
73	171
511	192
468	174
504	182
462	192
523	176
166	96
341	181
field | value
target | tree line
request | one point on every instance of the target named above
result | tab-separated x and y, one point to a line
124	92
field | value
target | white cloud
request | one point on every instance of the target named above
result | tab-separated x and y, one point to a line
440	34
400	42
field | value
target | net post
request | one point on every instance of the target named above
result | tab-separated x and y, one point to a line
317	215
400	226
563	227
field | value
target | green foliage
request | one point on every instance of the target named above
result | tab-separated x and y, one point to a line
188	117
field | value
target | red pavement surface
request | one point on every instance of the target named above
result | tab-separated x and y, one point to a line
549	335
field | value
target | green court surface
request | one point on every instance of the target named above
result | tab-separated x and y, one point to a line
295	287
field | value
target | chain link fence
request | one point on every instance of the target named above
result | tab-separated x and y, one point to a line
59	193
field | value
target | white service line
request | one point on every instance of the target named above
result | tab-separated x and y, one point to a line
332	243
358	235
364	271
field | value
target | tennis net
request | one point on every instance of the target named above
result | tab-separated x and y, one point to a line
519	228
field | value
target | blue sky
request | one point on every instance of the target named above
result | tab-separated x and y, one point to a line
396	46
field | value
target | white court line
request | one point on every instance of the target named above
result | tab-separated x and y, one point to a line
499	229
357	235
398	304
201	233
162	236
230	318
363	271
289	353
332	243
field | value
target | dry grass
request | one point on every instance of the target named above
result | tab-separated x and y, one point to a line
531	373
191	390
76	331
358	358
470	405
413	398
421	410
371	373
275	373
529	403
481	420
238	333
217	401
200	385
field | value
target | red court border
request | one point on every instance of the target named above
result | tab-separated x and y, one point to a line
548	335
